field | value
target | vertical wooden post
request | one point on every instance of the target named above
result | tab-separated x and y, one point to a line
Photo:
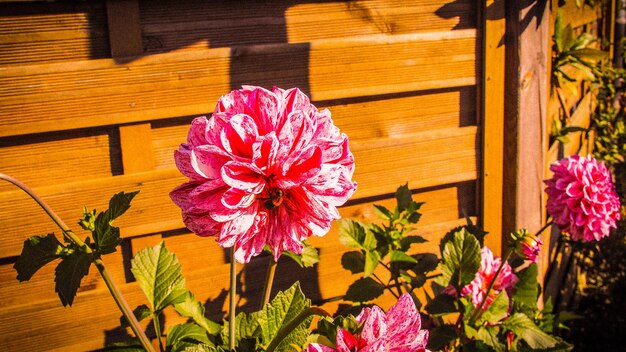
492	108
527	60
125	40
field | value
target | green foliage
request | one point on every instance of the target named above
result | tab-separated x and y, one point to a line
460	258
193	309
307	258
527	288
526	330
159	275
385	245
76	256
283	309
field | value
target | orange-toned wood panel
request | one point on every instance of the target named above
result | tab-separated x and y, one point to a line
60	157
101	92
423	159
48	32
360	119
174	26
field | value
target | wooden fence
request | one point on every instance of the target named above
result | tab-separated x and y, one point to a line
95	97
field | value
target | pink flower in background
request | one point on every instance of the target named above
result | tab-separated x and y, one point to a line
582	199
527	245
489	265
396	331
268	168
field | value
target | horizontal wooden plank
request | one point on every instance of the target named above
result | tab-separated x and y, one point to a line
101	92
60	157
49	32
426	159
196	25
379	117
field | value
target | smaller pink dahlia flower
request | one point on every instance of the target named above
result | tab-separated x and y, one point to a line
268	168
582	199
396	331
527	245
489	265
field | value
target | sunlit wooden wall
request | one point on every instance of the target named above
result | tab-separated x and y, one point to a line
95	96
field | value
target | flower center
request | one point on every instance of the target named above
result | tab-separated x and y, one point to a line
275	199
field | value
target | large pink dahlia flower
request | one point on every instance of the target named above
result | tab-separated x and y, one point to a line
268	168
582	199
489	264
396	331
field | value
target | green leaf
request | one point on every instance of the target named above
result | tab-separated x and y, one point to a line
184	335
364	290
442	304
497	310
141	312
526	329
460	257
69	273
527	288
246	325
559	29
193	309
399	256
307	258
441	336
281	310
404	197
106	236
382	212
489	336
37	252
352	234
158	273
353	261
371	262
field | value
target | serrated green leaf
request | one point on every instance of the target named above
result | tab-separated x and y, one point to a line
204	348
371	262
399	256
497	310
105	235
460	258
191	308
527	288
353	261
441	336
69	273
246	325
307	259
526	329
351	233
364	290
559	29
141	312
382	212
404	197
185	335
489	336
37	252
442	304
158	273
286	306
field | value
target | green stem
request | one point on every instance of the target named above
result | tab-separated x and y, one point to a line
157	330
233	301
287	328
547	225
269	281
479	309
108	280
